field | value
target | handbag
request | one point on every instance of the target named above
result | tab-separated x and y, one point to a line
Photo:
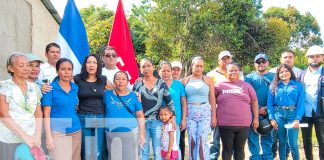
126	107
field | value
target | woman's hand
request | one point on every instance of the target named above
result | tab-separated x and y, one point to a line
214	122
29	141
50	143
168	156
255	123
38	141
295	124
274	124
46	87
142	140
183	125
138	95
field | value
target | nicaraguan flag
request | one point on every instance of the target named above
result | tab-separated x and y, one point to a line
72	37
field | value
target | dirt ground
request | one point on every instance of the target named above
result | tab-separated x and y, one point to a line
247	152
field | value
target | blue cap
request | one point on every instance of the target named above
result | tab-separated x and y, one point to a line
261	55
23	152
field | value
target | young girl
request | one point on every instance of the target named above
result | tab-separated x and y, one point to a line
169	147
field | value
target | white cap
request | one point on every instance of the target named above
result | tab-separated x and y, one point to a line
223	54
314	50
176	64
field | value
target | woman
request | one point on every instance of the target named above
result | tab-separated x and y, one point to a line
286	105
236	100
153	91
61	123
20	110
201	109
34	66
91	109
125	118
178	95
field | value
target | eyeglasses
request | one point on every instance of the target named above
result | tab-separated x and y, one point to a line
110	55
259	62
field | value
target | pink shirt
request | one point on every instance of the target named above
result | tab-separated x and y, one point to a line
234	103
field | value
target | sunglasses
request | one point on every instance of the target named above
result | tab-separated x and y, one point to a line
259	62
110	55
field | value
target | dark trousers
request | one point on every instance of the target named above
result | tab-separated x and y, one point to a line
318	123
233	141
182	144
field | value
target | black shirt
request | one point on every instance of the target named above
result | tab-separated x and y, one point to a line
91	95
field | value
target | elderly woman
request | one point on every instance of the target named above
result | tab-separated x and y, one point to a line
153	91
286	105
20	110
235	101
201	109
62	125
125	118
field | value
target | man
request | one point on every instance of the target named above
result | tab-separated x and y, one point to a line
218	75
313	81
176	70
48	69
260	80
109	58
288	57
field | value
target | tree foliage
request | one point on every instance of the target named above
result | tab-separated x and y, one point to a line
304	29
181	29
98	23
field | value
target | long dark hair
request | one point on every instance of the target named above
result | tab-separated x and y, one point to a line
276	78
84	74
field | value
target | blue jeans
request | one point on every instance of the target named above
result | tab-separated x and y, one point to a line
254	145
153	130
283	117
92	127
215	144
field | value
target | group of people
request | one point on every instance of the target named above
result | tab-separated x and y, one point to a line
83	115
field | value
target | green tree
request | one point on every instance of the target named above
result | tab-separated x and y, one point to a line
304	28
98	22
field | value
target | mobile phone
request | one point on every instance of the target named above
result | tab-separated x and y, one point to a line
45	80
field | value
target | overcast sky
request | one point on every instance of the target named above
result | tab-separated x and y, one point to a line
313	6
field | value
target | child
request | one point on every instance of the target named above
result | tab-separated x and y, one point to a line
169	147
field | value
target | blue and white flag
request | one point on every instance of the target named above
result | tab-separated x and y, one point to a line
72	37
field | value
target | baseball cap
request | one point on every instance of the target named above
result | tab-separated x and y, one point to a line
261	55
32	57
223	54
314	50
176	64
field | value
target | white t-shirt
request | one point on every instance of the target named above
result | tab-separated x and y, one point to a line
47	71
166	128
110	76
110	73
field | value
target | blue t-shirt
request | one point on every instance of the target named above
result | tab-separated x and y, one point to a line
177	91
292	94
118	119
261	84
63	108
